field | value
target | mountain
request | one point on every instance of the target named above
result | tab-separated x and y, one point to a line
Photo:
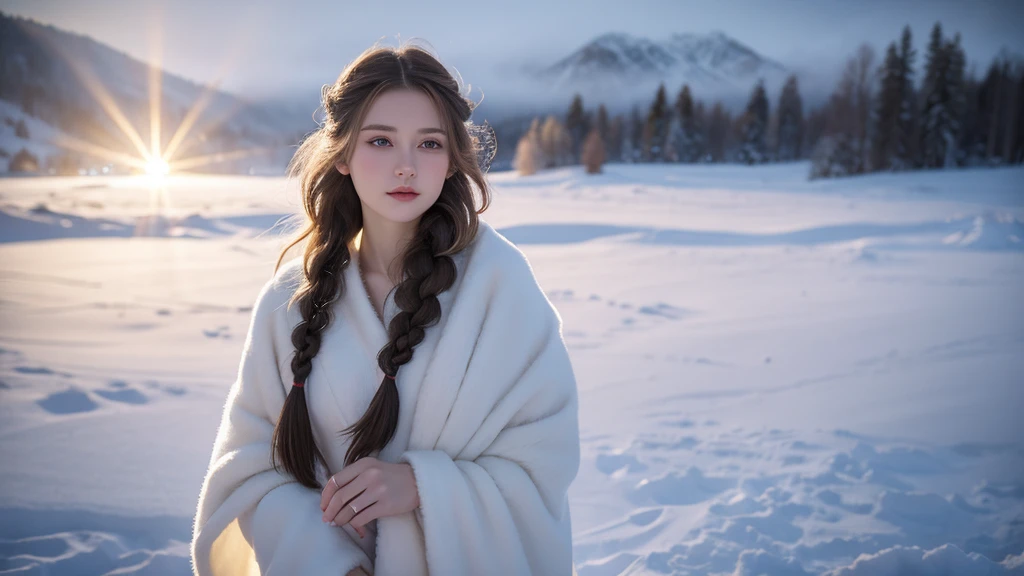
45	79
617	63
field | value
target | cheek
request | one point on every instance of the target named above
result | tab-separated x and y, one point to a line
436	164
367	164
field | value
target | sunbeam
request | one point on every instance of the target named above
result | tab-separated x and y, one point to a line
155	90
209	91
71	143
156	160
206	159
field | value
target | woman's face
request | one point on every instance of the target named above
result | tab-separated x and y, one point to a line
401	142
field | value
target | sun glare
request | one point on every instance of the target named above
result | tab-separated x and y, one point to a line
156	160
157	167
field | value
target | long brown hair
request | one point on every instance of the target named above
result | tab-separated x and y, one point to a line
334	217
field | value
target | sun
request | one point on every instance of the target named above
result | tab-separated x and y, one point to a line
157	167
159	158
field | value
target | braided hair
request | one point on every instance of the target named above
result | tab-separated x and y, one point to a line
334	217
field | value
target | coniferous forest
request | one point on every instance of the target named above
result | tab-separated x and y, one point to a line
904	110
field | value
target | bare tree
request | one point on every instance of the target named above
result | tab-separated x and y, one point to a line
843	149
850	108
549	136
526	159
593	152
529	153
863	88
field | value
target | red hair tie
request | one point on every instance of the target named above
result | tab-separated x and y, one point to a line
389	376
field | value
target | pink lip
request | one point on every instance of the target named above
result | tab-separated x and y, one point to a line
402	195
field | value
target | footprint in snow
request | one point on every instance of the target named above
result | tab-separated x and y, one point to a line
70	401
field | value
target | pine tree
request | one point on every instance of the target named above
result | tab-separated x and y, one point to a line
21	130
602	123
614	139
999	115
656	127
577	123
815	127
957	86
634	140
936	117
1016	151
687	141
789	138
971	148
673	135
719	123
754	126
887	112
905	152
834	156
700	127
1011	137
23	161
988	108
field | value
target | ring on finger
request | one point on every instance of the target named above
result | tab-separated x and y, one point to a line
365	502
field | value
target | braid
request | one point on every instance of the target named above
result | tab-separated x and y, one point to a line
428	271
293	441
334	216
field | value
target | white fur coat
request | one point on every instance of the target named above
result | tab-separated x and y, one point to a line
488	422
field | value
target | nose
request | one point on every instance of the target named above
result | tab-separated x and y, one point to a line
405	169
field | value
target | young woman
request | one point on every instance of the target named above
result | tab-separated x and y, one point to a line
405	403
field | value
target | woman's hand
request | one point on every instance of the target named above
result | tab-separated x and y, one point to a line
375	488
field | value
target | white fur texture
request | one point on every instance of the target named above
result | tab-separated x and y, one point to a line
488	422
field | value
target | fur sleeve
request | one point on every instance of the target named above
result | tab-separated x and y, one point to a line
251	518
494	490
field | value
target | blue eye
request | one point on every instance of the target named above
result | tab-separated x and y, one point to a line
436	144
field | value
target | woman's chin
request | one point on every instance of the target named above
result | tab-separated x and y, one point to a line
403	216
398	212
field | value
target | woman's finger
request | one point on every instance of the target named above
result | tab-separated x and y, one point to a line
330	488
343	497
341	479
356	506
365	515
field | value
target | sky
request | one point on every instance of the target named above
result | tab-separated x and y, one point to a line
288	50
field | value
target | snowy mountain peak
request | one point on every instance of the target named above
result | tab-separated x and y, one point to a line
718	51
711	61
616	53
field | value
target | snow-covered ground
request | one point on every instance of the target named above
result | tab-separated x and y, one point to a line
776	376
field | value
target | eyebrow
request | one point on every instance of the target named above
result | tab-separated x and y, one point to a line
384	128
